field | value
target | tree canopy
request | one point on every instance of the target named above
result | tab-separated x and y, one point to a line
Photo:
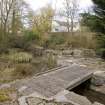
96	20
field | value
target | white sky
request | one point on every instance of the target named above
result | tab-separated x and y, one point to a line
36	4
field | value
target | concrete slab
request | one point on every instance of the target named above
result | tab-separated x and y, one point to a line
51	83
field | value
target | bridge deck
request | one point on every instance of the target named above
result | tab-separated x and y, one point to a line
51	83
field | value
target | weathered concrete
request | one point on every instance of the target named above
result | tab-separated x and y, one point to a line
96	103
77	99
64	97
98	89
98	78
73	98
51	83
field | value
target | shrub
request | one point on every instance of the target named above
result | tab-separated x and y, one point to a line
55	40
16	42
101	52
4	47
31	35
24	40
21	57
23	70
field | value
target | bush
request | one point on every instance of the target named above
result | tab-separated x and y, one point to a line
21	57
23	70
55	40
3	48
16	42
101	52
24	40
31	35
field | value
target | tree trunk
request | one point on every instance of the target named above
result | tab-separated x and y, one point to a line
72	27
68	26
13	23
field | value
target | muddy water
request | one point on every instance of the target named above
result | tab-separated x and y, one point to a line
93	96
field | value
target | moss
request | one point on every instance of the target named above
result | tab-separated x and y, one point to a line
8	78
5	94
4	98
5	81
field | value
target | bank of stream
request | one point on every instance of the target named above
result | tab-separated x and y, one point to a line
92	95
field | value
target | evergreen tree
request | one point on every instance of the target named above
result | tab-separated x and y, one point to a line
99	9
96	22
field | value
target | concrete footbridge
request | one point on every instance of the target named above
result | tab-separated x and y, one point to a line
51	83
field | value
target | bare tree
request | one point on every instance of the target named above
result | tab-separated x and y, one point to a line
19	15
42	21
5	9
13	14
70	13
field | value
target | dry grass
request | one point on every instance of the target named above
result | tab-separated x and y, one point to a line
83	40
21	57
18	66
23	70
51	61
17	57
80	39
6	75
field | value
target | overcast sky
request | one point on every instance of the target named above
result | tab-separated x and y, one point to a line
36	4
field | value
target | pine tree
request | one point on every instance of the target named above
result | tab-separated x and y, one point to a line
99	9
96	22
